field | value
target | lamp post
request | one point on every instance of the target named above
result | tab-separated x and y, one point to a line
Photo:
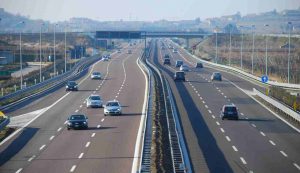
266	58
230	30
252	57
21	61
65	50
216	56
41	51
54	58
241	27
289	54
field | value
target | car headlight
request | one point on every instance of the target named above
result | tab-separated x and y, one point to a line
67	86
69	123
75	86
119	109
84	122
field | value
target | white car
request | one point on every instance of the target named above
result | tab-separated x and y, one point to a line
184	67
94	101
175	50
112	108
96	75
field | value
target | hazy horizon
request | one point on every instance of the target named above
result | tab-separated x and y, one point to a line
135	10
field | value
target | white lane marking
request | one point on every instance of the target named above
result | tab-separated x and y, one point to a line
51	138
222	93
73	168
59	129
242	114
80	106
213	116
253	125
94	92
272	142
246	118
31	158
225	97
42	147
87	144
262	133
209	111
201	98
217	123
93	135
84	102
80	156
228	139
217	88
206	106
222	130
196	91
19	170
102	119
98	126
76	110
234	148
297	166
203	102
243	160
283	153
198	95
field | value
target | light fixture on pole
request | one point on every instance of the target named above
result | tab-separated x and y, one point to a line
266	58
289	54
54	57
216	56
252	57
241	28
42	24
65	50
230	30
21	61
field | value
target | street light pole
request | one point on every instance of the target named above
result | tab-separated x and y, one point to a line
242	47
21	61
54	58
65	50
230	30
266	58
252	57
216	30
289	54
41	52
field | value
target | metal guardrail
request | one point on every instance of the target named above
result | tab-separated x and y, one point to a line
4	123
282	107
57	81
247	75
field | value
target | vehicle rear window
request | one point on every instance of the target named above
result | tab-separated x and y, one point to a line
112	104
95	98
230	109
77	117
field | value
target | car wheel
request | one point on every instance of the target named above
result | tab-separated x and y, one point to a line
222	118
68	128
104	114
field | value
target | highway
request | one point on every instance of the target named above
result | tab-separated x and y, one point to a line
258	142
46	145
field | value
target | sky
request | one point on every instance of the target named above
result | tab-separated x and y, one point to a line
142	10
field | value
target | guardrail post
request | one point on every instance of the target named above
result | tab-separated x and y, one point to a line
34	81
2	92
15	87
62	71
25	84
43	78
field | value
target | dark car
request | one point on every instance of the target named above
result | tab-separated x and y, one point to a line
199	65
71	86
179	76
178	63
229	112
77	122
167	56
216	76
167	61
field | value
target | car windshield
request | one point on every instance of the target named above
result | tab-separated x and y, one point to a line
112	104
230	109
179	74
217	74
77	117
95	98
72	83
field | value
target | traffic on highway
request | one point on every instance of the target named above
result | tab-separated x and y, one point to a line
182	90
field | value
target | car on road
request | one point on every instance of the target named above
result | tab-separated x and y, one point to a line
71	86
129	51
216	76
175	50
178	63
179	76
105	58
112	108
77	121
184	67
167	61
167	56
162	47
96	75
229	112
199	65
94	101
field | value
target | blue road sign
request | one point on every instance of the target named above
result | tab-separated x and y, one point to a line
264	79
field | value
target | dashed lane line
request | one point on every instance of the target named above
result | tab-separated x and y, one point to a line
234	148
272	142
73	168
93	135
42	147
217	123
59	129
31	158
243	160
80	156
222	130
102	119
262	133
19	170
51	138
297	166
98	126
87	144
283	153
227	138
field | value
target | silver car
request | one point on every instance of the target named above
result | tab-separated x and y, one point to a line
94	101
96	75
112	108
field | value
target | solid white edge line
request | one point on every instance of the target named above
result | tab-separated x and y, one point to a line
136	158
